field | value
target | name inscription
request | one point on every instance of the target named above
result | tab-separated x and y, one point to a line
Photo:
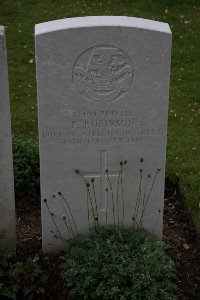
101	128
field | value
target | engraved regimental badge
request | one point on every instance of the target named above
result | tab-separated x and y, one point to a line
103	73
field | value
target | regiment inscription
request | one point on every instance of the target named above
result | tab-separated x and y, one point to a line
114	127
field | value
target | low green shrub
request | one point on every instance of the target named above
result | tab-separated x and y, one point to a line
8	286
120	264
26	167
20	280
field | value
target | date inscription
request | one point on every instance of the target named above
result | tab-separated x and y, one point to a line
101	128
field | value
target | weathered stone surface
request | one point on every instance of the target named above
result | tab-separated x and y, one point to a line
103	88
7	202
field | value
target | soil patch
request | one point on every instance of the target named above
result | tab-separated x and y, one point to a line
181	239
178	234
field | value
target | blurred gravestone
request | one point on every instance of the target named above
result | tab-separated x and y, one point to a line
7	202
103	88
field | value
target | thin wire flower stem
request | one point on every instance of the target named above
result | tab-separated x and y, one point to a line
95	200
143	202
52	217
69	230
69	221
122	190
86	183
88	210
90	199
118	183
60	238
106	209
66	202
112	194
152	185
138	199
156	222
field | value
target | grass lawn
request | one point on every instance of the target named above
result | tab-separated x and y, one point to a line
183	156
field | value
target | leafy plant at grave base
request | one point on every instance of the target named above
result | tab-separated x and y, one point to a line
113	263
8	287
30	279
26	167
20	280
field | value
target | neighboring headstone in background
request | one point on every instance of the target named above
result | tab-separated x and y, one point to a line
7	201
103	89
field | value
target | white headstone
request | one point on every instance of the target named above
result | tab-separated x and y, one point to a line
7	202
103	88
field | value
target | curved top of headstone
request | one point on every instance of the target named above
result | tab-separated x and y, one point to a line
98	21
1	30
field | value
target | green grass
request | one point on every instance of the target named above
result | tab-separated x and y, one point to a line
183	156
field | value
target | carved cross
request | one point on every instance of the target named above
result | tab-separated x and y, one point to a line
102	175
